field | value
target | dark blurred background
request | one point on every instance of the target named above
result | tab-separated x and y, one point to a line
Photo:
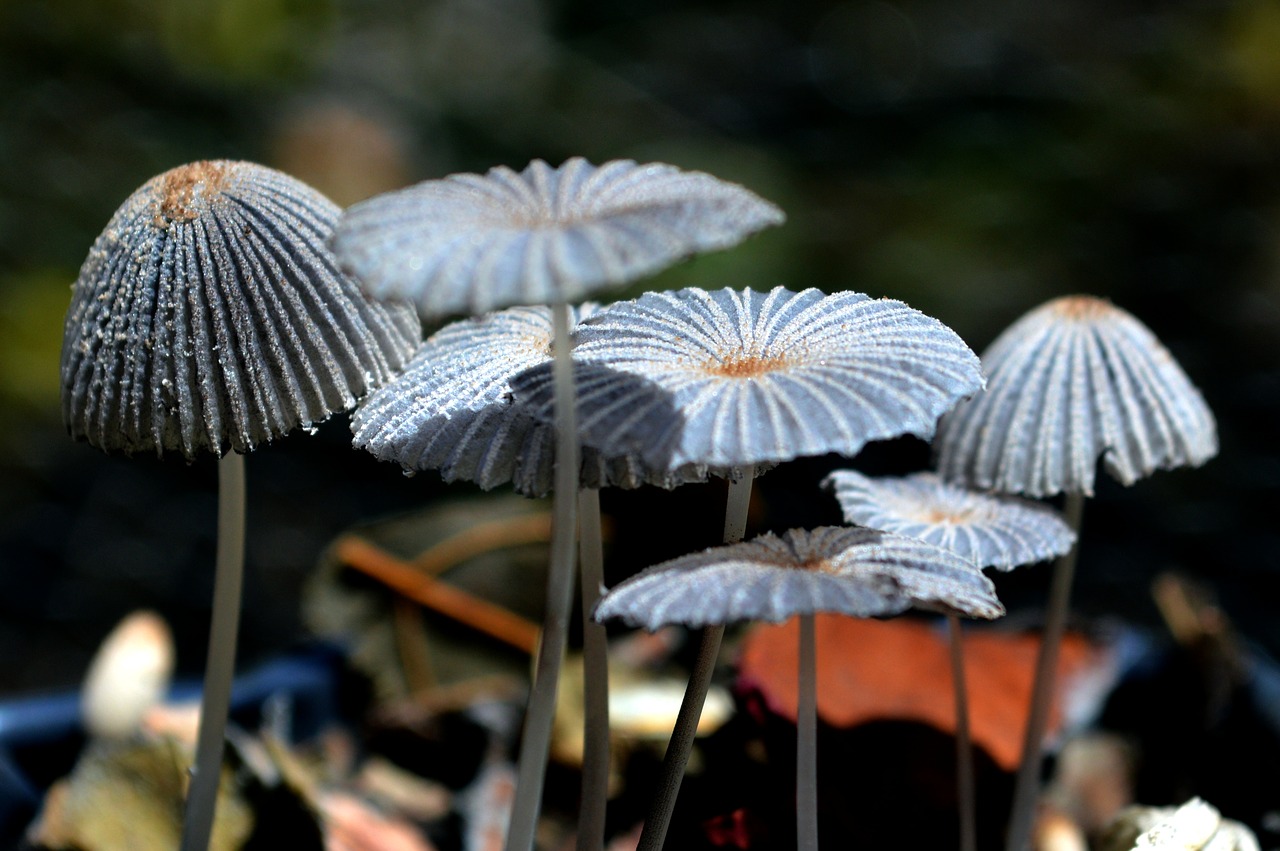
970	159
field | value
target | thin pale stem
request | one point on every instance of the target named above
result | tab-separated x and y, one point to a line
676	759
1027	788
215	699
807	740
536	740
965	792
595	665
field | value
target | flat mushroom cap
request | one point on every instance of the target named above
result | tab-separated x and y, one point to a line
1074	380
210	315
732	378
469	243
858	572
987	529
451	410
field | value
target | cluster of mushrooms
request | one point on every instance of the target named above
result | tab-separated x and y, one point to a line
226	304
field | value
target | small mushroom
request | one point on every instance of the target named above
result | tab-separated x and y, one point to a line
1073	381
733	378
862	573
209	316
989	530
857	572
470	243
452	410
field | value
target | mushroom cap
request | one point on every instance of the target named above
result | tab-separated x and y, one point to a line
987	529
469	243
1074	380
452	410
210	315
733	378
858	572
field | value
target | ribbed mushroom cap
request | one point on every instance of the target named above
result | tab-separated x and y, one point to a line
1074	380
452	410
470	243
987	529
210	315
733	378
858	572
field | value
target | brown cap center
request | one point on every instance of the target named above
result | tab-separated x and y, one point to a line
181	186
1082	308
747	366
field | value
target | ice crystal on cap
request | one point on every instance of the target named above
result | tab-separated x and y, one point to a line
451	410
739	377
858	572
210	315
989	530
469	243
1074	380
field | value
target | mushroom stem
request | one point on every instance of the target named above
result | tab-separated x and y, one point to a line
536	740
215	700
686	729
965	793
1027	788
595	753
807	739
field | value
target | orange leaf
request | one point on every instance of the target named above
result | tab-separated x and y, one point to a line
900	669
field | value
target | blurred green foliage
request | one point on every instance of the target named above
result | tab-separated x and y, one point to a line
972	160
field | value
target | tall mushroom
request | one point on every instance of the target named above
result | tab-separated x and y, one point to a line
209	317
472	243
735	379
1072	382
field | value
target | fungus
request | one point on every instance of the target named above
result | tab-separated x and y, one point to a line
988	530
1071	382
470	243
735	379
208	317
452	410
1075	380
474	242
857	572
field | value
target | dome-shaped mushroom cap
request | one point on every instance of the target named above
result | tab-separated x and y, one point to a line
1074	380
210	315
470	243
451	410
988	529
737	377
858	572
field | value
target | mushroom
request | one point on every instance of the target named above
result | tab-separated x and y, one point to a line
452	410
1071	382
735	379
474	242
856	572
988	530
208	317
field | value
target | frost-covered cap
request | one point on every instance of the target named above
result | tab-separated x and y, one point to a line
469	243
858	572
451	410
732	378
1075	380
989	530
210	315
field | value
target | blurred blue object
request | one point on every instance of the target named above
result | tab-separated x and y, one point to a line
41	736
